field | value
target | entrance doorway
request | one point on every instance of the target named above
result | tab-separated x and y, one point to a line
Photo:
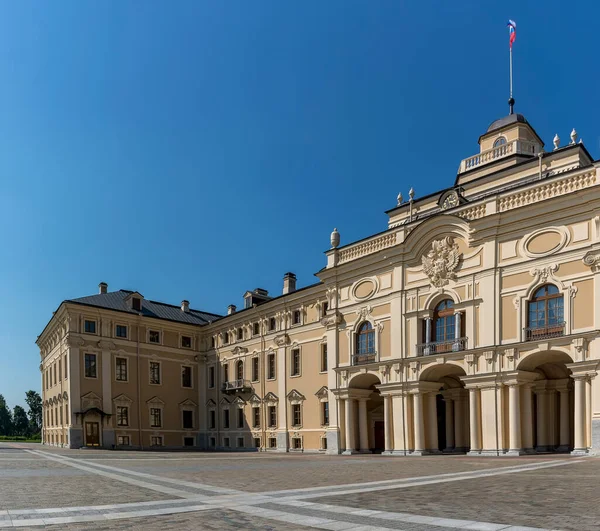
379	437
92	434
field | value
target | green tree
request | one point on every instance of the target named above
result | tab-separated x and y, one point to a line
34	402
5	418
20	421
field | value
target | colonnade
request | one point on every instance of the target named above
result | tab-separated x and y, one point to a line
488	416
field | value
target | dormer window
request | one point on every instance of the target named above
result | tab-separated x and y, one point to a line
136	304
500	141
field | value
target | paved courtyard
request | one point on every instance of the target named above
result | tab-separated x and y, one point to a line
46	488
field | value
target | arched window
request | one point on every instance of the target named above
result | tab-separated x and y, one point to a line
365	343
545	317
240	370
444	322
499	141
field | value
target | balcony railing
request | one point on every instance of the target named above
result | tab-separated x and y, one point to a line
440	347
365	357
236	385
544	332
520	147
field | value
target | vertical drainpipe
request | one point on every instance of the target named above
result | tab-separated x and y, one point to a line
139	398
263	375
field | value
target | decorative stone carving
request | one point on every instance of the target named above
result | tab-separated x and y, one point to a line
103	344
91	400
332	319
441	261
282	340
470	359
322	394
592	260
295	397
254	399
239	350
544	272
580	345
335	239
414	366
74	341
517	303
510	354
344	376
122	400
364	312
271	399
489	356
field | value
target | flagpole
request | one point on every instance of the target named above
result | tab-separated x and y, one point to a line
511	101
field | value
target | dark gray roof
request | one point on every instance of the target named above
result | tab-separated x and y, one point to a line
507	120
115	300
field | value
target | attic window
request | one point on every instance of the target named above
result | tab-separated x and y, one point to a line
500	141
136	304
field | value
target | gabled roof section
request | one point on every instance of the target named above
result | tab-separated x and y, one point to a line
118	300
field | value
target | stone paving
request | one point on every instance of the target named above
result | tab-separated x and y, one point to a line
49	488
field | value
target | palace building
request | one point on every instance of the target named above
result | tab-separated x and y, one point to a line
470	324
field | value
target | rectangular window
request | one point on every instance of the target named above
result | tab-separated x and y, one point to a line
89	327
255	372
240	442
296	443
256	442
186	342
121	331
54	369
225	418
323	443
297	317
154	336
211	419
324	309
225	338
59	370
212	442
122	416
240	418
121	369
188	419
296	417
156	441
186	377
272	324
256	417
212	342
325	413
256	329
324	357
188	441
225	373
155	372
155	417
211	377
272	442
91	370
271	367
123	440
66	371
240	334
226	442
272	416
296	362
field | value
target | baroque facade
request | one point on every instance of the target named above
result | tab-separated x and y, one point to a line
469	325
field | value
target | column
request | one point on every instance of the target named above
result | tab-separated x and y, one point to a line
428	323
527	419
588	411
459	421
363	428
450	444
419	423
350	442
432	426
474	419
514	415
457	331
387	423
282	407
542	439
342	420
564	435
580	423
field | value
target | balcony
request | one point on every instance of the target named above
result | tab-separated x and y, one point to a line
516	147
544	332
236	386
364	357
442	347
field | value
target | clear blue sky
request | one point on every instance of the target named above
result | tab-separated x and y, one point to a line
199	149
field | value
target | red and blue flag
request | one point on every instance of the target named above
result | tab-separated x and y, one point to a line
512	31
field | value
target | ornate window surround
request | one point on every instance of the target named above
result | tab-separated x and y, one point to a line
364	315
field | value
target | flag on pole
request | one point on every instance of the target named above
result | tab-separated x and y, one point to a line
512	31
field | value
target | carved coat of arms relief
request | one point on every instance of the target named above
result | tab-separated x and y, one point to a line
440	263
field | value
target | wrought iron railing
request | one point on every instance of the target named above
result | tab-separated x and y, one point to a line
440	347
364	357
236	385
544	332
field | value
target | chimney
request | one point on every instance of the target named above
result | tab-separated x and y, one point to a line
102	288
289	283
185	306
231	309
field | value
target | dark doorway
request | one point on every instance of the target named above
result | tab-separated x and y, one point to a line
379	436
440	407
92	434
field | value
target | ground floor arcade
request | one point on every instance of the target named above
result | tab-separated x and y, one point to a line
544	405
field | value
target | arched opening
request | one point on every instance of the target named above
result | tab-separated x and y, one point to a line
240	370
364	349
550	398
364	415
446	410
500	141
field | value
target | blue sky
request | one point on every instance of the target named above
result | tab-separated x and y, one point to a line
199	149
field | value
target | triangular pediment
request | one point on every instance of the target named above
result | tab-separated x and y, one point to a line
155	401
224	401
188	402
322	393
295	396
122	399
254	399
239	401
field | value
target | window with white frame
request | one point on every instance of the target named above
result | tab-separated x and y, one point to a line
186	377
272	324
91	368
89	326
121	331
323	357
122	416
155	372
255	369
121	369
296	415
271	366
154	336
295	362
256	417
123	440
297	443
156	440
155	417
272	410
186	342
296	317
272	442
